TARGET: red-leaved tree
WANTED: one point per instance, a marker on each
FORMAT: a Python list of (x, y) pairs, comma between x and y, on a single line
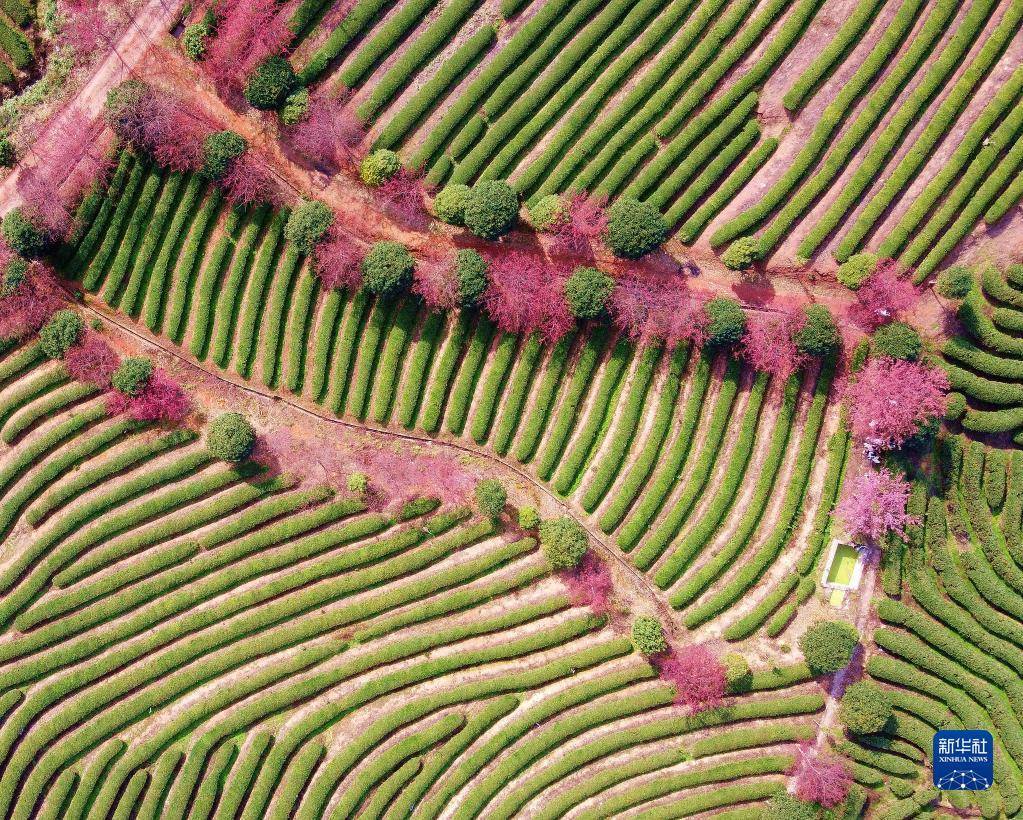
[(819, 778), (31, 304), (583, 224), (87, 26), (699, 678), (874, 504), (248, 31), (526, 295), (889, 399), (248, 181), (92, 360), (330, 134), (652, 310), (437, 283), (769, 343), (403, 195), (338, 260), (885, 295), (161, 400), (589, 584)]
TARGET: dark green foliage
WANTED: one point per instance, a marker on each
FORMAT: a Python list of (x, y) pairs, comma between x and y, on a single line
[(491, 209), (727, 322), (897, 340), (8, 154), (866, 708), (956, 407), (307, 224), (219, 150), (13, 277), (738, 675), (270, 83), (379, 167), (471, 270), (22, 234), (132, 375), (648, 636), (59, 334), (827, 646), (819, 334), (742, 253), (954, 282), (231, 437), (387, 268), (563, 542), (587, 291), (295, 107), (449, 204), (634, 228), (491, 496), (194, 40)]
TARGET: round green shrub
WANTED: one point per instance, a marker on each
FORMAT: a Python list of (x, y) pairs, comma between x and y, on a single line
[(955, 282), (194, 40), (738, 675), (60, 333), (491, 209), (898, 340), (828, 646), (231, 437), (563, 542), (856, 270), (727, 322), (358, 483), (742, 253), (220, 149), (819, 334), (14, 276), (529, 518), (547, 213), (132, 375), (491, 496), (449, 204), (587, 291), (387, 268), (307, 224), (295, 107), (648, 636), (866, 708), (22, 234), (634, 228), (270, 83), (8, 154), (955, 408), (471, 269), (379, 167)]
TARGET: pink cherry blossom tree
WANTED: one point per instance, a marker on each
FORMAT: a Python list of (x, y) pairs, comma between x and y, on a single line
[(883, 297), (583, 224), (652, 310), (889, 399), (248, 181), (437, 283), (526, 295), (338, 260), (589, 584), (248, 31), (92, 360), (769, 343), (699, 677), (874, 504), (161, 400), (819, 778), (403, 195), (87, 26), (330, 134), (28, 307)]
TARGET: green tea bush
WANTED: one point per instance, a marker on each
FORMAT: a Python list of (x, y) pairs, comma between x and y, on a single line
[(738, 675), (648, 636), (727, 322), (296, 106), (897, 340), (491, 209), (387, 268), (866, 708), (378, 167), (23, 235), (827, 646), (449, 204), (8, 153), (855, 271), (563, 542), (307, 224), (471, 270), (270, 83), (491, 496), (819, 334), (587, 291), (219, 150), (742, 253), (955, 282), (231, 437), (634, 228), (194, 40), (529, 517), (59, 334), (132, 375), (547, 212)]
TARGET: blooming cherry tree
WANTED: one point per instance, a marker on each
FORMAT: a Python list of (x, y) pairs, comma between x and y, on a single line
[(698, 676), (437, 283), (874, 504), (525, 295), (338, 260), (883, 297), (92, 360), (584, 222), (330, 133), (589, 584), (248, 31), (652, 310), (28, 307), (769, 343), (161, 400), (819, 778)]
